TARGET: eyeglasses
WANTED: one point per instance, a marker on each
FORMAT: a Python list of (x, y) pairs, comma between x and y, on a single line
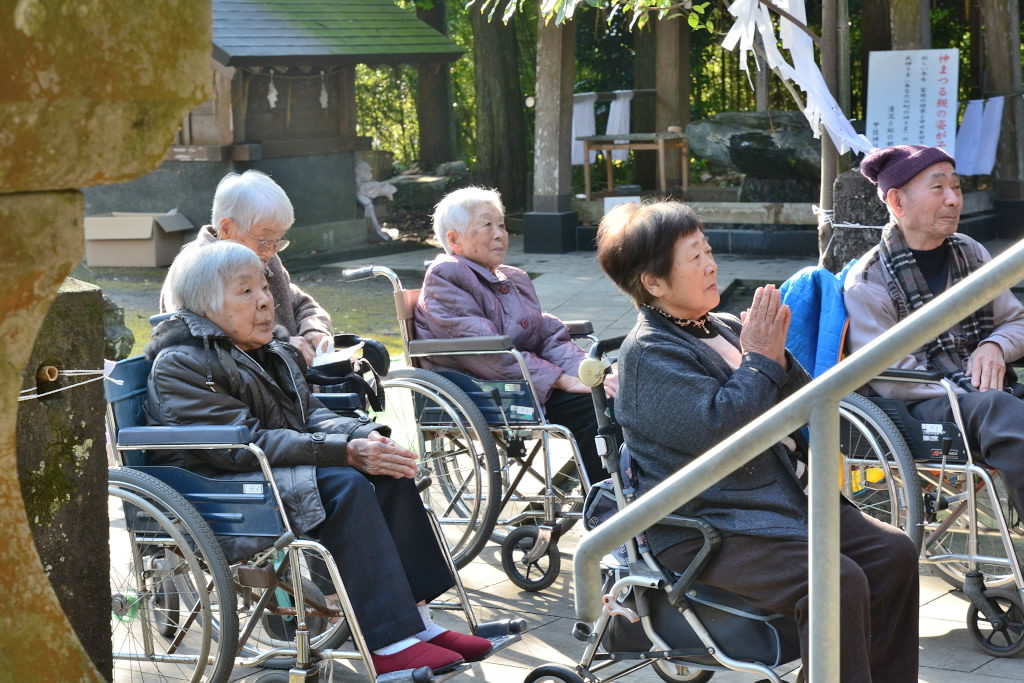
[(274, 245)]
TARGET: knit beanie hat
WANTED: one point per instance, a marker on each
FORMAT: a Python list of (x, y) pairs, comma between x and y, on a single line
[(891, 167)]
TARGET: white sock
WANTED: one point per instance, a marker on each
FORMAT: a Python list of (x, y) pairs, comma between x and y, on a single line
[(431, 630), (395, 648)]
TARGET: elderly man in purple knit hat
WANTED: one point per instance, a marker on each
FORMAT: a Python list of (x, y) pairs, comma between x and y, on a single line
[(919, 256)]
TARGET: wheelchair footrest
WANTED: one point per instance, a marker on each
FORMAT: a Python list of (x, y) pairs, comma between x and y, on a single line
[(420, 675), (502, 627)]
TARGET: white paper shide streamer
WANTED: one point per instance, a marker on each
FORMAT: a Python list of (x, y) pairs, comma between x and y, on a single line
[(821, 110)]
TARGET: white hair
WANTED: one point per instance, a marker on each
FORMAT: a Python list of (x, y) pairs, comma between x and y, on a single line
[(455, 210), (197, 278), (251, 198)]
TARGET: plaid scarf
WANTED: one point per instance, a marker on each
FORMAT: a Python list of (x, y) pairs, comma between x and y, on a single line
[(948, 352)]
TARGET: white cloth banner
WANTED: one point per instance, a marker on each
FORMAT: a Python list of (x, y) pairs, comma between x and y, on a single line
[(618, 121), (821, 109), (968, 138), (582, 124), (989, 142)]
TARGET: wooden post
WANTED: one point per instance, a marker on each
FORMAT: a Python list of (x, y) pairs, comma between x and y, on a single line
[(673, 85), (1003, 75), (829, 154)]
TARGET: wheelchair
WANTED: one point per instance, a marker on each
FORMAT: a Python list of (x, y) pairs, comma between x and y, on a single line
[(653, 617), (206, 575), (487, 448), (923, 478)]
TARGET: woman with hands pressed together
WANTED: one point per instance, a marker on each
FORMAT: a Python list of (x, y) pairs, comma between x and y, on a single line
[(342, 480), (690, 378)]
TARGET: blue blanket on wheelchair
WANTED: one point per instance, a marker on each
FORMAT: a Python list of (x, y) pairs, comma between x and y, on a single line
[(816, 333)]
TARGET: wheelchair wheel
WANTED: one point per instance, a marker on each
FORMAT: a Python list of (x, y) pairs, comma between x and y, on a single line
[(1004, 638), (273, 609), (169, 583), (553, 672), (535, 575), (950, 528), (430, 415), (878, 472), (677, 672)]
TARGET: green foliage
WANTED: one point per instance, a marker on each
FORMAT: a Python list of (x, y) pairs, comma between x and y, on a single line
[(386, 109)]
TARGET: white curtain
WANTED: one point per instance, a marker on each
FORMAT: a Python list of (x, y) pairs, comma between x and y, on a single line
[(968, 138), (582, 124), (618, 120)]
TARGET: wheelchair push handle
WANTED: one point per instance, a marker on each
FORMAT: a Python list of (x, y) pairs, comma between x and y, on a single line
[(367, 272)]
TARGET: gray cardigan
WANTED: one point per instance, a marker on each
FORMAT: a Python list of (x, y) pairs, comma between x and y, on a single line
[(678, 398)]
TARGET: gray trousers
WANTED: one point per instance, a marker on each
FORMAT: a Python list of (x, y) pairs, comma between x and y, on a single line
[(994, 421), (878, 600)]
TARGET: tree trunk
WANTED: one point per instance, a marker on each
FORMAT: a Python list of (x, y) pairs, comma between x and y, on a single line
[(434, 98), (500, 118)]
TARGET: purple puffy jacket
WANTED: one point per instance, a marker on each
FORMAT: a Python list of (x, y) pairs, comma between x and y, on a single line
[(461, 298)]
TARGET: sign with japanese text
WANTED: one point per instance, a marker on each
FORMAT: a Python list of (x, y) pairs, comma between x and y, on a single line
[(912, 98)]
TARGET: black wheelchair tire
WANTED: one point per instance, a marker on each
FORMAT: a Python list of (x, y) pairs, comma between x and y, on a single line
[(483, 510), (204, 545), (515, 546), (900, 503), (553, 672)]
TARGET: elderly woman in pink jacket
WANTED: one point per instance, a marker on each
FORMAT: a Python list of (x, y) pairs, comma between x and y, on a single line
[(469, 292)]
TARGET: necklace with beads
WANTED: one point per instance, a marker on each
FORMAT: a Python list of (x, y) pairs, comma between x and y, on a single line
[(699, 327)]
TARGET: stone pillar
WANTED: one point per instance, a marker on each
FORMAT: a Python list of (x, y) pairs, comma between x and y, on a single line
[(62, 472), (97, 95), (551, 227)]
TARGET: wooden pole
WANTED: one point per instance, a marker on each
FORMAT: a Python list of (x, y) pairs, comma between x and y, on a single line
[(829, 154)]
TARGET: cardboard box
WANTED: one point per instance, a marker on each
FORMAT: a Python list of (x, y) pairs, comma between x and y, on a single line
[(134, 239)]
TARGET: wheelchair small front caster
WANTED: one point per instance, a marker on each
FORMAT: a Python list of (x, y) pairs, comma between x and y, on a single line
[(529, 573), (1002, 636), (553, 672)]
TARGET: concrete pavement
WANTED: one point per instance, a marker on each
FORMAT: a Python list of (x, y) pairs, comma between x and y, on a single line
[(573, 287)]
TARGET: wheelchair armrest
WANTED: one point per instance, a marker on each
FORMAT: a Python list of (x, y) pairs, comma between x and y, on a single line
[(337, 402), (428, 347), (189, 435), (712, 539), (911, 375), (579, 328)]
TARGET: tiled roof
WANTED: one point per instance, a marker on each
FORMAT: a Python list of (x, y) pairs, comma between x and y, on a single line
[(291, 32)]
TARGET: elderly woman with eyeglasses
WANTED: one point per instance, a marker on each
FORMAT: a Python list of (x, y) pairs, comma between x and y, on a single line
[(253, 210), (341, 479)]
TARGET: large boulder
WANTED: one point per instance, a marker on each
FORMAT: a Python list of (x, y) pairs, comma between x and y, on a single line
[(766, 144)]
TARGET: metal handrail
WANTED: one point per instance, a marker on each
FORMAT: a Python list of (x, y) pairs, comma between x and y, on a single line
[(816, 404)]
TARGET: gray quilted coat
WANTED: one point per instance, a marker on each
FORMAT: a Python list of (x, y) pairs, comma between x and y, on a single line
[(200, 377)]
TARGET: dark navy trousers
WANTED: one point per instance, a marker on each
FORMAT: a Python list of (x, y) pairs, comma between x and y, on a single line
[(387, 555)]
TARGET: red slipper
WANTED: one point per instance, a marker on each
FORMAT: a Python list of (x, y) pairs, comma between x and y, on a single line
[(472, 648), (438, 659)]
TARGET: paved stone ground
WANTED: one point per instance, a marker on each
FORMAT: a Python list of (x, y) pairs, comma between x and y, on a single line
[(571, 286)]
